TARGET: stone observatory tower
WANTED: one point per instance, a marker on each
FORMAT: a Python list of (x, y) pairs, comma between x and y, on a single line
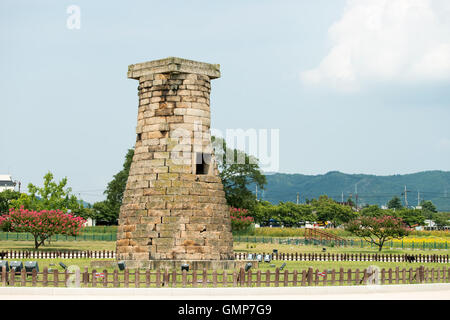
[(174, 209)]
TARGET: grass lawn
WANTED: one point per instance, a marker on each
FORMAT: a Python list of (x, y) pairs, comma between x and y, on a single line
[(59, 245), (286, 248), (238, 247)]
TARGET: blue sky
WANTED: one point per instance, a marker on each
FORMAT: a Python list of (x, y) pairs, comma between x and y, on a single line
[(355, 86)]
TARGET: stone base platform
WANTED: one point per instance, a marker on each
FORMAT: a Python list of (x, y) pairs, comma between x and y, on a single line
[(176, 264)]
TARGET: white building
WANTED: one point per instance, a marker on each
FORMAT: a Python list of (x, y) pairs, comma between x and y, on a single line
[(6, 182)]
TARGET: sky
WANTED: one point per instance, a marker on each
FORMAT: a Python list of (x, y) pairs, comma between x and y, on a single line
[(357, 86)]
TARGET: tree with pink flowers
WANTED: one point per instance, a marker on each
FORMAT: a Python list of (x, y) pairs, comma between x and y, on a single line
[(240, 220), (41, 224), (378, 230)]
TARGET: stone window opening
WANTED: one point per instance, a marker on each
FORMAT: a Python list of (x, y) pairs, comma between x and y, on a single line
[(139, 137), (202, 163)]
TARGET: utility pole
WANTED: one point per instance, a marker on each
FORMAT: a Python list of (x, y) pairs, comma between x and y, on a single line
[(342, 197), (256, 186), (298, 196), (418, 198), (356, 195), (405, 193)]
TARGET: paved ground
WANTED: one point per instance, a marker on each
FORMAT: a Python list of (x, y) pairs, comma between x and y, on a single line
[(389, 292)]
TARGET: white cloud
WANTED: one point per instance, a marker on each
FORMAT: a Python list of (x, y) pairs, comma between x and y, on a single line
[(386, 40)]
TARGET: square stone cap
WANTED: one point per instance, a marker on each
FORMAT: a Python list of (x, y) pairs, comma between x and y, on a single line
[(175, 65)]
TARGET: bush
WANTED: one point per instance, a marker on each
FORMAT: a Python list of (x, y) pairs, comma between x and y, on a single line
[(240, 220)]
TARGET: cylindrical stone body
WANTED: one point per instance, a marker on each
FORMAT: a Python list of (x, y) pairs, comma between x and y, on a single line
[(174, 206)]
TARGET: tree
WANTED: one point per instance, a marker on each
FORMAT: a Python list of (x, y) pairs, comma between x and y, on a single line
[(428, 206), (442, 219), (41, 224), (326, 209), (238, 175), (116, 187), (412, 217), (107, 211), (5, 200), (378, 230), (52, 196), (395, 203)]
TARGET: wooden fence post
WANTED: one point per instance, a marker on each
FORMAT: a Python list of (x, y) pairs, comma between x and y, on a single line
[(105, 278), (194, 278), (349, 277), (295, 278), (45, 277), (4, 276), (184, 278), (34, 278), (158, 278), (421, 274), (214, 280), (126, 278), (94, 278), (277, 276), (241, 277), (286, 278), (116, 282), (204, 278), (310, 276), (225, 278), (86, 277), (166, 278), (136, 278), (55, 278), (23, 277), (147, 278), (174, 278)]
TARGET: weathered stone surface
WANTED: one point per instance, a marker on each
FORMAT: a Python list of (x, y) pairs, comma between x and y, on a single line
[(174, 208)]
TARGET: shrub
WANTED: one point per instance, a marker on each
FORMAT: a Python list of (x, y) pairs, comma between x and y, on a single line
[(240, 220)]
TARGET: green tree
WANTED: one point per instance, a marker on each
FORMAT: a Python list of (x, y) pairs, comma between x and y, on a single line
[(5, 200), (237, 174), (51, 196), (395, 203), (412, 217), (107, 211), (104, 213), (326, 209), (427, 205), (374, 211), (442, 219)]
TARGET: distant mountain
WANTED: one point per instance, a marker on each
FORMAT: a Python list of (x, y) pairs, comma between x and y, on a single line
[(372, 189)]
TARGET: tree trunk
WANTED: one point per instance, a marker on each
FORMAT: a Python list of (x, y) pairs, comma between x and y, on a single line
[(36, 244)]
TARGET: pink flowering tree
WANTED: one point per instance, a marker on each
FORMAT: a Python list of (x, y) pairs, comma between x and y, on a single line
[(378, 230), (41, 224), (240, 220)]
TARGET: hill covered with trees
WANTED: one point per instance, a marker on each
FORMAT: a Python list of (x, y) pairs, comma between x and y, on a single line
[(371, 189)]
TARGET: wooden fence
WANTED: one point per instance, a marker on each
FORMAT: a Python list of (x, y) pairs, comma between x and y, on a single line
[(205, 278), (419, 258)]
